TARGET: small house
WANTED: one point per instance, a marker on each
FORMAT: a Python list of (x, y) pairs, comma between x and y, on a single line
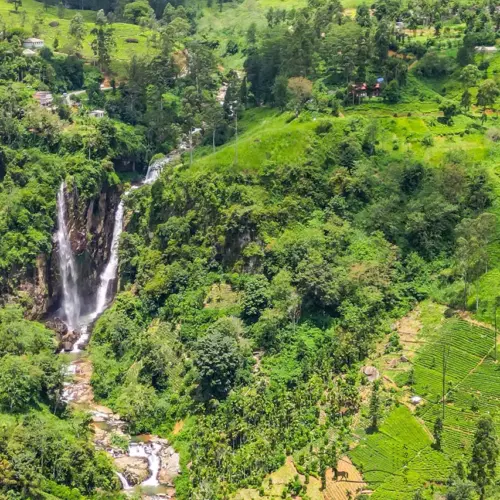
[(400, 26), (29, 53), (486, 50), (97, 113), (361, 90), (33, 43), (44, 98)]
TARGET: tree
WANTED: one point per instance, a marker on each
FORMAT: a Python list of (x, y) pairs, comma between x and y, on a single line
[(375, 407), (474, 236), (300, 91), (449, 109), (136, 404), (461, 490), (17, 4), (470, 75), (252, 35), (391, 92), (487, 94), (438, 433), (218, 359), (213, 116), (61, 10), (482, 465), (137, 11), (382, 41), (466, 100), (465, 55), (284, 296), (363, 16), (281, 93), (256, 297), (103, 42), (19, 383), (77, 30)]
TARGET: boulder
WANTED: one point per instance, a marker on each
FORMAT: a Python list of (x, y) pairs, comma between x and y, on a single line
[(371, 373), (135, 469), (68, 340), (170, 465), (58, 325)]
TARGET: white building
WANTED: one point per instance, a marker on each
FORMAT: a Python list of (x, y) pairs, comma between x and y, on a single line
[(29, 53), (97, 113), (486, 50), (44, 98), (33, 43)]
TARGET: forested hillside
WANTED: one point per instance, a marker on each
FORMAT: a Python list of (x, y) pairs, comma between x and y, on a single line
[(248, 249)]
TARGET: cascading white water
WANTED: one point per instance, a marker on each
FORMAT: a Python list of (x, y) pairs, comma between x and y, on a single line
[(154, 170), (124, 481), (151, 451), (107, 277), (70, 304), (109, 273)]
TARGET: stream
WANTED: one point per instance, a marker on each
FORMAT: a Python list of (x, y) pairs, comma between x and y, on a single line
[(149, 463)]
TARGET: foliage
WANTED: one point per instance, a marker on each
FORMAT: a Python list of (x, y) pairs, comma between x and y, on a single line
[(482, 467)]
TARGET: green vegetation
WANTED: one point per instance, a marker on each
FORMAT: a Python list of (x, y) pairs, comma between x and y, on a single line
[(52, 24), (399, 458), (336, 172), (55, 447)]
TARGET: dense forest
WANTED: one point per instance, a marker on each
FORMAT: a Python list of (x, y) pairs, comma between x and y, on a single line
[(261, 233)]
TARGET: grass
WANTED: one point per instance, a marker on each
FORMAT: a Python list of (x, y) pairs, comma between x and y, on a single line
[(398, 459), (233, 23), (265, 136), (31, 9)]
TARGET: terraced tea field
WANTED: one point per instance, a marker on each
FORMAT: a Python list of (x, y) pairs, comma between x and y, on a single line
[(399, 459)]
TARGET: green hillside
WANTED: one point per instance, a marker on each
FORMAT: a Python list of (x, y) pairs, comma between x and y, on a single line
[(278, 225)]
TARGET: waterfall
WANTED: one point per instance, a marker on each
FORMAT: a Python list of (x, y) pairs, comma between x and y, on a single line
[(71, 299), (124, 481), (107, 277), (155, 169), (150, 451), (71, 304), (109, 273)]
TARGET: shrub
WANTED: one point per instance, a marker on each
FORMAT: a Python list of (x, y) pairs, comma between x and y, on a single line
[(434, 64), (493, 134), (54, 24), (428, 140)]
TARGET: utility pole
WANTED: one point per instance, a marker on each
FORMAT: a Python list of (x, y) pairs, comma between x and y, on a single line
[(445, 361), (236, 143), (495, 323), (190, 146)]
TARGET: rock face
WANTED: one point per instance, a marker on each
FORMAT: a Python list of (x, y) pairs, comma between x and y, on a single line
[(170, 466), (90, 227), (90, 224), (135, 469)]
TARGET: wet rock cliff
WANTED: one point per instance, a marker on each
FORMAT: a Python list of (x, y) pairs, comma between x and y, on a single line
[(90, 223)]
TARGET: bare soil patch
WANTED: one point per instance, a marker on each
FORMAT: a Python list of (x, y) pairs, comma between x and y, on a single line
[(349, 483)]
